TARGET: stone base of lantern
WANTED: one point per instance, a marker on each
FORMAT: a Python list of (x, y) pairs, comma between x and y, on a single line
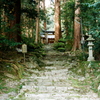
[(90, 59)]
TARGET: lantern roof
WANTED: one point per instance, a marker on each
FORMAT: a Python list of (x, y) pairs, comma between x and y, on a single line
[(90, 38)]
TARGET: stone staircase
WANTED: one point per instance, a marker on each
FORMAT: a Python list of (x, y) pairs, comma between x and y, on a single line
[(53, 83)]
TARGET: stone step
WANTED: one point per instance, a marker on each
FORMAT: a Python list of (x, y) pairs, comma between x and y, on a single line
[(51, 72), (48, 83), (54, 93), (56, 72), (47, 89), (58, 96), (62, 70), (38, 99), (51, 68), (47, 79)]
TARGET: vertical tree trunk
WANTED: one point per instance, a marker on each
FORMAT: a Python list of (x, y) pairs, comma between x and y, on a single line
[(0, 20), (33, 31), (77, 28), (18, 16), (57, 21), (37, 30), (15, 23), (37, 24), (45, 15), (45, 24)]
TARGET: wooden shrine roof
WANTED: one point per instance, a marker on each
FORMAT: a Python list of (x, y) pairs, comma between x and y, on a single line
[(50, 31)]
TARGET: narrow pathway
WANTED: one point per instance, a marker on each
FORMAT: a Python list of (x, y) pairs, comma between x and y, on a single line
[(55, 82)]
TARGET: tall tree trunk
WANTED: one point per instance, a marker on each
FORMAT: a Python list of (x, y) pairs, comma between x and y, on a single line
[(0, 20), (45, 15), (37, 30), (57, 21), (18, 16), (15, 23), (45, 24), (77, 28), (37, 24)]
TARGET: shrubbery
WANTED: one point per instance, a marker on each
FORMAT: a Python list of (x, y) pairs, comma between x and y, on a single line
[(60, 45), (6, 44), (63, 45), (35, 48)]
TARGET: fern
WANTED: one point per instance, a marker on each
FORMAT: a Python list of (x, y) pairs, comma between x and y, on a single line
[(6, 43)]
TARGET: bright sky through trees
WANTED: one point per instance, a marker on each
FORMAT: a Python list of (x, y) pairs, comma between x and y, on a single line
[(47, 3)]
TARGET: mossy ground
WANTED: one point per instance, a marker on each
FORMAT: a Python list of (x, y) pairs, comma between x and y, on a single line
[(88, 71)]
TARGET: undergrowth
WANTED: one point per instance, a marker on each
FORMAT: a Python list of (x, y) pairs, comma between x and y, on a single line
[(60, 45), (91, 72)]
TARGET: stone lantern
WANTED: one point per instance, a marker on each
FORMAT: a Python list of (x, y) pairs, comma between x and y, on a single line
[(90, 47)]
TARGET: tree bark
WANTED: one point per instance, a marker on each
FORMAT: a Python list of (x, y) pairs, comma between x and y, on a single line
[(45, 24), (18, 16), (77, 28), (45, 15), (37, 30), (15, 23), (0, 19), (57, 21), (37, 25)]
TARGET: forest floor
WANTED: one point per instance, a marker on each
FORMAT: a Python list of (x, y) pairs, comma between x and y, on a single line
[(54, 82)]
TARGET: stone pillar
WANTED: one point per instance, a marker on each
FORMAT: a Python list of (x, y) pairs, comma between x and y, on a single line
[(90, 47), (46, 37)]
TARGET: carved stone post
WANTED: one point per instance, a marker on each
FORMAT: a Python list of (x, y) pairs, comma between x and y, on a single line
[(90, 47)]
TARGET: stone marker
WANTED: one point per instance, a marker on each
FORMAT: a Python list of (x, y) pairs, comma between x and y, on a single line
[(24, 50)]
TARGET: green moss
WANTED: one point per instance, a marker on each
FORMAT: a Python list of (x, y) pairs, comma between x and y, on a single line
[(61, 49), (62, 40), (92, 79), (60, 45)]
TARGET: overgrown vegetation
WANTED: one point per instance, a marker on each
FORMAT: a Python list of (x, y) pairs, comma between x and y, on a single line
[(89, 18), (12, 23), (12, 67), (6, 44), (91, 73), (11, 62), (60, 45), (63, 44)]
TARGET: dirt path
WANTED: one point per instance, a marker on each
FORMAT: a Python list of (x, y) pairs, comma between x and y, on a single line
[(55, 82)]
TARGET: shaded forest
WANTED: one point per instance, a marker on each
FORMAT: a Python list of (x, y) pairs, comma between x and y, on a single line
[(23, 22), (20, 20)]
